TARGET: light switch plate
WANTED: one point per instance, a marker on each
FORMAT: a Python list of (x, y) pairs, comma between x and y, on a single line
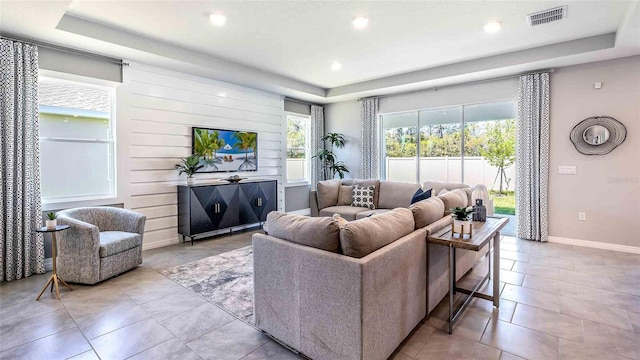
[(567, 170)]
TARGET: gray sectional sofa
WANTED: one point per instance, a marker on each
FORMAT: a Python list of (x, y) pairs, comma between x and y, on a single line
[(326, 200), (353, 290)]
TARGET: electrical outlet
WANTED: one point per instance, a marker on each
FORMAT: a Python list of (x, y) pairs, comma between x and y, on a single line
[(582, 216)]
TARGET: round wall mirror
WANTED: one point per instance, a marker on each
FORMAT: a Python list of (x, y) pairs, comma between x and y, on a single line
[(598, 135), (595, 135)]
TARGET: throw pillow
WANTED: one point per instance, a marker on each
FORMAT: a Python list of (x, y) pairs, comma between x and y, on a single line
[(341, 221), (318, 232), (362, 237), (443, 191), (345, 195), (363, 196), (421, 195), (328, 193)]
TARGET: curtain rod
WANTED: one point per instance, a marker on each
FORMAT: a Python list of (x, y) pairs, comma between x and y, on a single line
[(67, 50), (435, 88)]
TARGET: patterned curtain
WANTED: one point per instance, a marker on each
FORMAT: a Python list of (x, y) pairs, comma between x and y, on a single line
[(532, 157), (21, 250), (370, 139), (317, 132)]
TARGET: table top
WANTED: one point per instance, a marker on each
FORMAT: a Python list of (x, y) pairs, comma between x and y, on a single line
[(45, 229), (483, 231)]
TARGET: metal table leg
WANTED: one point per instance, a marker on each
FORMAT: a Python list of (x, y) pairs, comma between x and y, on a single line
[(452, 284), (496, 269)]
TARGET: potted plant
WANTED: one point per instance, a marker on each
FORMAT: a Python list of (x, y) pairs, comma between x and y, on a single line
[(327, 157), (461, 221), (51, 221), (189, 166)]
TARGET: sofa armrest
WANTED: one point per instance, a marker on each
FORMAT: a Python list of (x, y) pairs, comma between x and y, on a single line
[(438, 224), (394, 294), (81, 239), (313, 203), (304, 296), (331, 306)]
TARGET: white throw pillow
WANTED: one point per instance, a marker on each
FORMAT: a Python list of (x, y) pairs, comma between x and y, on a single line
[(444, 190)]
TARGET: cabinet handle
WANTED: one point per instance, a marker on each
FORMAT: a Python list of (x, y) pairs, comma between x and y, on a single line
[(259, 201), (218, 205)]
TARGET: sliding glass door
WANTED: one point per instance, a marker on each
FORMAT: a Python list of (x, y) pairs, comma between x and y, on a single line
[(472, 144)]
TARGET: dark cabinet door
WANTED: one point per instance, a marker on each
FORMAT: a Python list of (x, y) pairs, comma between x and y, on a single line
[(257, 200), (214, 207)]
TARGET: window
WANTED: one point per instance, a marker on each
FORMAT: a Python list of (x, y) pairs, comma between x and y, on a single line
[(298, 154), (76, 141), (472, 144)]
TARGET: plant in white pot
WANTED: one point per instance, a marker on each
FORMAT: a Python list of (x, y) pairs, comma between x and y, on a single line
[(461, 221), (51, 221), (189, 166)]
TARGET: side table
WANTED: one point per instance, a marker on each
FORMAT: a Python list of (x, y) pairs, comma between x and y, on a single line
[(54, 279), (483, 232)]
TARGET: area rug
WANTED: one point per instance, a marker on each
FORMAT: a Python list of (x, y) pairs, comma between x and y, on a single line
[(225, 280)]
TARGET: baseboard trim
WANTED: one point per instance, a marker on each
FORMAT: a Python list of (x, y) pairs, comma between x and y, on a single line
[(161, 243), (305, 212), (595, 244)]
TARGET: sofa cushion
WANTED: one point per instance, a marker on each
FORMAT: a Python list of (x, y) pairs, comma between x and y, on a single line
[(341, 221), (368, 213), (394, 194), (427, 211), (363, 196), (328, 193), (366, 182), (317, 232), (114, 242), (437, 186), (345, 195), (361, 237), (347, 212), (469, 192), (452, 199)]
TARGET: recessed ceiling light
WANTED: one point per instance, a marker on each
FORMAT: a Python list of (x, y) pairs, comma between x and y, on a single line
[(217, 19), (493, 27), (360, 22), (335, 66)]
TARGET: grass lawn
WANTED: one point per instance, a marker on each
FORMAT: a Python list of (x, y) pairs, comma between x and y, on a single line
[(504, 204)]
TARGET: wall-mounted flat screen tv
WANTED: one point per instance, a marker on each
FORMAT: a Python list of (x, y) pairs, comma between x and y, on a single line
[(225, 150)]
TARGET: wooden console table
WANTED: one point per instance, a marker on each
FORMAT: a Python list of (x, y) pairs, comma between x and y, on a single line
[(483, 232)]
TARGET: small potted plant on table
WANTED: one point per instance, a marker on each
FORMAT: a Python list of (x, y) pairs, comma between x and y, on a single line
[(461, 221), (51, 221), (189, 166)]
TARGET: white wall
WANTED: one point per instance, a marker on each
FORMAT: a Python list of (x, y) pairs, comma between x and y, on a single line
[(155, 112), (606, 187)]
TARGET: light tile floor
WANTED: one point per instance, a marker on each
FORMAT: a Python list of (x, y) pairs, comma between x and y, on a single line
[(557, 301)]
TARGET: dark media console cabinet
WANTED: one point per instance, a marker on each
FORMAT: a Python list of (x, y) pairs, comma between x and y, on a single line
[(203, 208)]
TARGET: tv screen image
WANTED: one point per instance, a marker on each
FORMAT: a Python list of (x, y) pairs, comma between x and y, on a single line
[(225, 150)]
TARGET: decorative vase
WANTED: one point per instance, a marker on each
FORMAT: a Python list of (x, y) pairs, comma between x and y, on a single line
[(191, 181), (462, 226), (479, 211), (51, 224), (481, 192)]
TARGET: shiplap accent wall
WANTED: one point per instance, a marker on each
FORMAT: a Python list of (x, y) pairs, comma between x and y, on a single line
[(157, 110)]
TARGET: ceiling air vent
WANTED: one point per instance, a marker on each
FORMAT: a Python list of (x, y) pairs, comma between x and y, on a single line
[(547, 16)]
